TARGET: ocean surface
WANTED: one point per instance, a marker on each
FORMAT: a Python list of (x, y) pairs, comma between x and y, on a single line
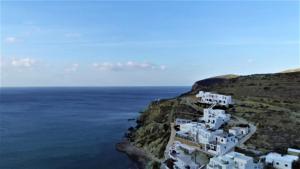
[(70, 127)]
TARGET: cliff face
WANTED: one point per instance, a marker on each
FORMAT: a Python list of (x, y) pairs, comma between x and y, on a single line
[(271, 101)]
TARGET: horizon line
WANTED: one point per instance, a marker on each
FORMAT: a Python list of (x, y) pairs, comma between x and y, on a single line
[(94, 86)]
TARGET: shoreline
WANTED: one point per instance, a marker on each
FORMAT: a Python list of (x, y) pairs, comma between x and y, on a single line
[(137, 155)]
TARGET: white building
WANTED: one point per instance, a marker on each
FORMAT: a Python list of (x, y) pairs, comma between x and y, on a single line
[(203, 135), (223, 143), (215, 142), (281, 161), (198, 132), (211, 98), (239, 131), (215, 118), (181, 154), (188, 127), (232, 160)]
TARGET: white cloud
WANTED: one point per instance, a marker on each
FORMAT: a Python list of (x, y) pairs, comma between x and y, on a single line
[(11, 39), (130, 65), (23, 62), (73, 68)]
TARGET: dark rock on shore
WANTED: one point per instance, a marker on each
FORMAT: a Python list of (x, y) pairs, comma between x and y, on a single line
[(135, 154)]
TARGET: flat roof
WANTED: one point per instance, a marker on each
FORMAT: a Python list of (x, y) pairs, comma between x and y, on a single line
[(287, 158), (293, 150)]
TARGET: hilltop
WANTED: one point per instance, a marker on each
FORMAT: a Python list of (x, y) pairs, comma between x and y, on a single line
[(271, 101), (291, 70)]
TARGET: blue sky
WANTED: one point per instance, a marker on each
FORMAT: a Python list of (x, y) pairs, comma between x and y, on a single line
[(144, 43)]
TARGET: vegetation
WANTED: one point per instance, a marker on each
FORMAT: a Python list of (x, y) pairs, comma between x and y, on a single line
[(271, 101)]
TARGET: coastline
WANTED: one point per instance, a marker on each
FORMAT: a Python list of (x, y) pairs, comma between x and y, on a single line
[(137, 155)]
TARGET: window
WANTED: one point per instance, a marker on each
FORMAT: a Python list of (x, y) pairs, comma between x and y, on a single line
[(277, 163), (286, 165)]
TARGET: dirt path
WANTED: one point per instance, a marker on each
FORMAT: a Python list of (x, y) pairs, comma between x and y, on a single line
[(171, 139)]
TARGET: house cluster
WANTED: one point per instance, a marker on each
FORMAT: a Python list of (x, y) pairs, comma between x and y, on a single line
[(233, 160), (207, 131), (207, 135), (214, 142)]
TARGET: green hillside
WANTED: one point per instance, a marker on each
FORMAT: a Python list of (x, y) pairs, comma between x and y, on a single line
[(271, 101)]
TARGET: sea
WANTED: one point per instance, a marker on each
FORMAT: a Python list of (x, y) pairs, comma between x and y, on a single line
[(71, 127)]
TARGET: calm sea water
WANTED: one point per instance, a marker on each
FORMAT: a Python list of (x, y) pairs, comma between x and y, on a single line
[(70, 128)]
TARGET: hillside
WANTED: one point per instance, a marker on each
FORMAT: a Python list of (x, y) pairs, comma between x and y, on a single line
[(291, 70), (271, 101)]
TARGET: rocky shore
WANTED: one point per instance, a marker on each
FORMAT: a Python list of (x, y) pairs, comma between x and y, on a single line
[(137, 155)]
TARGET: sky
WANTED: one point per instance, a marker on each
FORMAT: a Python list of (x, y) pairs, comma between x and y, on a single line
[(127, 43)]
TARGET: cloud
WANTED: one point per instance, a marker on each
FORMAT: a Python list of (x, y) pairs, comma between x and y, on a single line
[(11, 39), (23, 62), (130, 65), (73, 68)]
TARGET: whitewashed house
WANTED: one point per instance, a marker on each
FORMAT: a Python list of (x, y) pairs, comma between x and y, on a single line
[(239, 131), (279, 161), (199, 132), (181, 154), (204, 136), (214, 142), (187, 127), (215, 118), (223, 143), (232, 160), (211, 98)]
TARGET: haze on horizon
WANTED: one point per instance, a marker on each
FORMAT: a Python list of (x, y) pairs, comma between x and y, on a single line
[(144, 43)]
